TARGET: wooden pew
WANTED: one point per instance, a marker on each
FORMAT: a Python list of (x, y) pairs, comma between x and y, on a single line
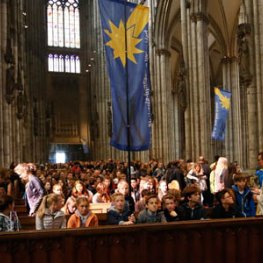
[(198, 241), (100, 208), (28, 222)]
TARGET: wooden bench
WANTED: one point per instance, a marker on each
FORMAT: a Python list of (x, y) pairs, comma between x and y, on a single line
[(199, 241), (21, 210), (28, 222), (100, 208)]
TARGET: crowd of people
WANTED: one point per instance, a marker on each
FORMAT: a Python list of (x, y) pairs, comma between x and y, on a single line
[(59, 195)]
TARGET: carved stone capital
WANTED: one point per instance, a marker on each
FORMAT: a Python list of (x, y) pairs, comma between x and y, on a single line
[(243, 29), (9, 57), (163, 51), (199, 16), (20, 105), (245, 79), (228, 59), (10, 84)]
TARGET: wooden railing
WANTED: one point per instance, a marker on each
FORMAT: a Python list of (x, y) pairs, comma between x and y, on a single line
[(217, 241)]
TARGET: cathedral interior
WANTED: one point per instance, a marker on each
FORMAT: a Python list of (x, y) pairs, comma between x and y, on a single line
[(55, 92)]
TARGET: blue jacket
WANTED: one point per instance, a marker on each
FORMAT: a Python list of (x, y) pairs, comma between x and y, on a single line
[(114, 217), (245, 202), (146, 216), (187, 213), (259, 174)]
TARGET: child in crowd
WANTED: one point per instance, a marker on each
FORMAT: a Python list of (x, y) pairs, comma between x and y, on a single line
[(57, 189), (101, 195), (123, 188), (48, 188), (226, 207), (170, 213), (5, 181), (140, 205), (244, 196), (2, 191), (196, 176), (8, 217), (191, 209), (108, 184), (119, 213), (49, 214), (162, 189), (79, 189), (150, 214), (135, 190), (34, 190), (82, 217)]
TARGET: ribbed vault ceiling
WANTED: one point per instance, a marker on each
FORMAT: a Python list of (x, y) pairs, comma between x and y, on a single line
[(222, 28)]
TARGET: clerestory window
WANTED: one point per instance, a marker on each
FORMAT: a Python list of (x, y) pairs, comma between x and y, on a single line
[(63, 36)]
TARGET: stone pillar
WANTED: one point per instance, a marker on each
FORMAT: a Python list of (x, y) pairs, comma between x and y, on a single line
[(248, 91), (229, 142), (3, 29), (185, 21), (8, 80), (199, 121), (238, 123), (203, 86), (258, 7), (257, 23), (180, 105), (36, 82), (164, 87), (193, 93), (233, 139)]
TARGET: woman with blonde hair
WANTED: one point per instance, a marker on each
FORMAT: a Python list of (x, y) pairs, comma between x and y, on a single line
[(49, 214), (34, 190), (218, 175)]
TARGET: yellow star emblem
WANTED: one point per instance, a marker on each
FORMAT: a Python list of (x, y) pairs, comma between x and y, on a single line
[(134, 26)]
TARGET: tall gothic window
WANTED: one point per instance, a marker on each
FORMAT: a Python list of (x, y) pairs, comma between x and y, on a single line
[(63, 36)]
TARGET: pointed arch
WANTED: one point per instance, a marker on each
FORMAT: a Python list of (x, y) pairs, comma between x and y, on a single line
[(161, 23)]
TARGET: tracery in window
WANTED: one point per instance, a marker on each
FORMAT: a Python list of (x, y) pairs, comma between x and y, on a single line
[(63, 63), (63, 23), (63, 34)]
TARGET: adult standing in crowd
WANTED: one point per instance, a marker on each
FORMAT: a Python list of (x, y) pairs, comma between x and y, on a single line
[(258, 192), (259, 171), (34, 190)]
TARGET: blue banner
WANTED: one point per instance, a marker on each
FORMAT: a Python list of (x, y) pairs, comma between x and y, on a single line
[(126, 40), (222, 106)]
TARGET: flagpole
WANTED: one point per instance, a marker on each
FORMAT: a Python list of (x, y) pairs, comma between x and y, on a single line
[(127, 102)]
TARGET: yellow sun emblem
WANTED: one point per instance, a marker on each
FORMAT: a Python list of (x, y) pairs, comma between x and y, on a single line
[(134, 26), (225, 101)]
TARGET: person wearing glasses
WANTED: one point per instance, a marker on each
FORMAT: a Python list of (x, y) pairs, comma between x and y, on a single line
[(226, 207)]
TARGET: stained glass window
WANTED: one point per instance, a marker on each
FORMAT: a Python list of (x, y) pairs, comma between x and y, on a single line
[(63, 63), (63, 24)]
